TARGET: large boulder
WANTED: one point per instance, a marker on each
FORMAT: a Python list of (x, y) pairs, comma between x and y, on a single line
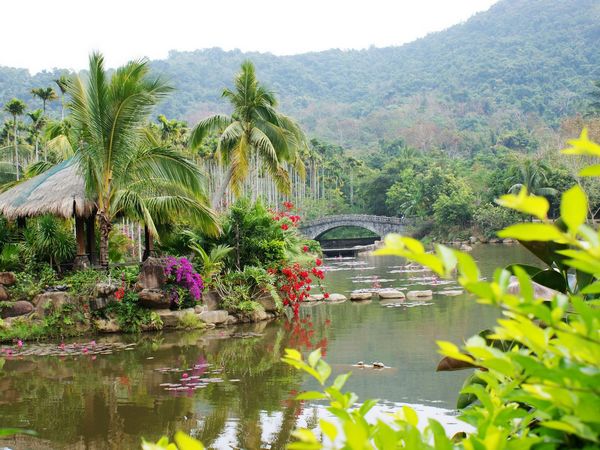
[(416, 295), (172, 319), (107, 325), (3, 294), (539, 291), (19, 308), (361, 295), (268, 302), (390, 293), (231, 320), (152, 274), (49, 302), (98, 303), (258, 315), (336, 298), (211, 300), (169, 319), (154, 299), (7, 278), (106, 289), (314, 298), (214, 317)]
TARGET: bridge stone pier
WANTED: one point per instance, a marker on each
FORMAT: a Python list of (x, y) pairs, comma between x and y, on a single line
[(380, 225)]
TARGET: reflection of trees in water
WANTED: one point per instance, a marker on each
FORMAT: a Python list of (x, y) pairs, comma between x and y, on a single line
[(264, 384), (114, 400)]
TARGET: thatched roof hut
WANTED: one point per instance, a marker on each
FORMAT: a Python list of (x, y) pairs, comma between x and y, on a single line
[(59, 191)]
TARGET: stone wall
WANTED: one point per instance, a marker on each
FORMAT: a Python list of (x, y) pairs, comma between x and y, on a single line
[(152, 296), (16, 309)]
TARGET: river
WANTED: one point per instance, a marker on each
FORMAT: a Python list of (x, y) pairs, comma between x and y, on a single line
[(228, 387)]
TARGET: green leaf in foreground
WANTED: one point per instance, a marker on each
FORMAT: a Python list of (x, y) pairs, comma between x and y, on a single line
[(532, 232)]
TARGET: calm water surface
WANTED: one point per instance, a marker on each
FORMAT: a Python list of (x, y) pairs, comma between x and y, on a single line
[(236, 393)]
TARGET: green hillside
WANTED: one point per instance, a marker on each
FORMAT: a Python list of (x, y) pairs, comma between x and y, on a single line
[(518, 61), (533, 56)]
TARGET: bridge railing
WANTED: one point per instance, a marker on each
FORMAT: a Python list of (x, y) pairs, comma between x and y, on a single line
[(355, 218)]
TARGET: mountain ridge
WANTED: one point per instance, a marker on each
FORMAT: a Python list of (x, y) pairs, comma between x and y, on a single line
[(530, 58)]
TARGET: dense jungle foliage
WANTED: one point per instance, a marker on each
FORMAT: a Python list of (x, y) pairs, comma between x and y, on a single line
[(514, 64), (434, 130)]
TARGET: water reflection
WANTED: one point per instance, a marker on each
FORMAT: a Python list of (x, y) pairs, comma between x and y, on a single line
[(113, 400)]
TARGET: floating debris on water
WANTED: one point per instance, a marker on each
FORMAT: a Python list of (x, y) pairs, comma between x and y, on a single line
[(411, 270), (370, 280), (406, 304), (373, 365), (451, 292), (247, 335), (63, 350)]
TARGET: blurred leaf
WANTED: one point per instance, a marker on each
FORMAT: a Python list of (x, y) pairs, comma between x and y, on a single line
[(531, 232), (574, 208), (551, 279)]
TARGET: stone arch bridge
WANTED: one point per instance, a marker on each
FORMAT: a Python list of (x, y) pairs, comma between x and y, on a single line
[(380, 225)]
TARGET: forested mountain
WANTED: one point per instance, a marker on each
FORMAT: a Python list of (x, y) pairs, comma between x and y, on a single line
[(521, 64), (535, 56)]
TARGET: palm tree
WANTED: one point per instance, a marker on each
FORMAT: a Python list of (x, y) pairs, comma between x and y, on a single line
[(45, 95), (60, 138), (255, 129), (62, 83), (532, 174), (212, 262), (123, 172), (15, 108), (37, 123), (172, 131)]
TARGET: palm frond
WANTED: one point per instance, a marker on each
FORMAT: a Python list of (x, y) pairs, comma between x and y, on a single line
[(240, 163), (162, 163), (207, 126), (164, 208), (37, 168)]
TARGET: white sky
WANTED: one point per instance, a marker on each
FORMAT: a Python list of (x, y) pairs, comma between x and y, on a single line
[(42, 34)]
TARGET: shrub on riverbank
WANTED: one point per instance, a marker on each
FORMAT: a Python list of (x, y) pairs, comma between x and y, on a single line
[(257, 244), (246, 267)]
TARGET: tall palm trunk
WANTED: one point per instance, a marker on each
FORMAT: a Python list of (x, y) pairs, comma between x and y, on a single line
[(148, 244), (220, 192), (105, 227), (16, 146)]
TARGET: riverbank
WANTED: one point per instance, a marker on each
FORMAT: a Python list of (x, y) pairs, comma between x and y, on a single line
[(92, 304)]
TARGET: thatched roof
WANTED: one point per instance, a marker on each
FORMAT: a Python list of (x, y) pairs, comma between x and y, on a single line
[(59, 191)]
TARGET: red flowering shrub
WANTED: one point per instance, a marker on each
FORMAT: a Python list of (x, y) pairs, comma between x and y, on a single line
[(120, 293), (294, 283), (286, 216), (294, 280)]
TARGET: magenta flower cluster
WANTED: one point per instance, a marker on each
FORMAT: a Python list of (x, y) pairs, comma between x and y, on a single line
[(185, 275)]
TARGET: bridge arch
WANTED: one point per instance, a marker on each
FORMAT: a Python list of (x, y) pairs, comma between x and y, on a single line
[(380, 225), (372, 229)]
